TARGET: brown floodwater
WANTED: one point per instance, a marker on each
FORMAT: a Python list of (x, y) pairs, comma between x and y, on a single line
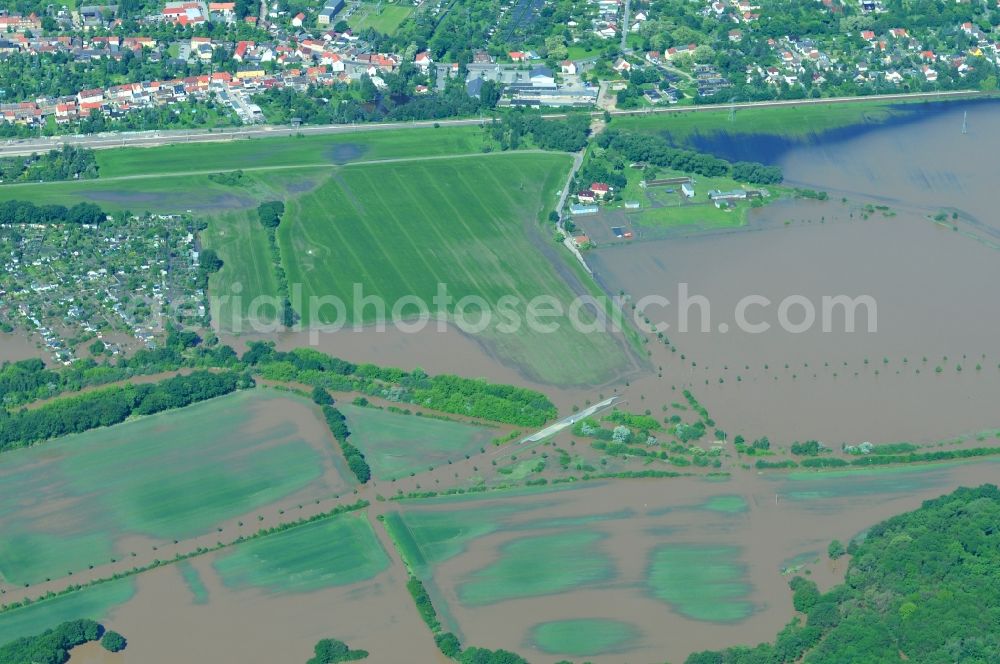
[(19, 346), (450, 352), (787, 518), (931, 367), (164, 624)]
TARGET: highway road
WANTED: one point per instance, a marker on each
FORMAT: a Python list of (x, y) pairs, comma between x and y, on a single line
[(16, 147)]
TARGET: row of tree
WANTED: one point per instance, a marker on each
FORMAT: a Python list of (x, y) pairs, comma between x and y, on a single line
[(445, 393), (29, 380), (657, 151), (113, 405), (338, 427), (26, 212)]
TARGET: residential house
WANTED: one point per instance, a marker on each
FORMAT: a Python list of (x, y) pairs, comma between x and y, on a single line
[(600, 189)]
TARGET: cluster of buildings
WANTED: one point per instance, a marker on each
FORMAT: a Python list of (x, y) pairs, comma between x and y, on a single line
[(524, 83), (113, 282), (332, 58), (20, 24)]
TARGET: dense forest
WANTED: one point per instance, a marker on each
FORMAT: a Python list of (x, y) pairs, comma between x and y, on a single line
[(921, 587), (65, 164)]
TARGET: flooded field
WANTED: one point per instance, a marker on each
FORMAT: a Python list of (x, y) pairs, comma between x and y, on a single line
[(450, 352), (14, 347), (88, 498), (655, 569), (331, 579), (925, 352)]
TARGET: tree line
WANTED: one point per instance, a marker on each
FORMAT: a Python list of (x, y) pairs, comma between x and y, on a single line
[(269, 213), (338, 427), (113, 405), (657, 151), (444, 393), (26, 212), (30, 380)]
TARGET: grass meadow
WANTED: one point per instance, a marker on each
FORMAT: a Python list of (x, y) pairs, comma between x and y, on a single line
[(168, 476), (402, 229), (396, 445), (289, 151), (791, 121), (248, 269), (333, 552), (386, 21)]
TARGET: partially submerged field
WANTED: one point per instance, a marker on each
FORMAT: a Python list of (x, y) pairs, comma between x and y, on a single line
[(173, 178), (400, 230), (645, 570), (86, 498), (266, 600), (397, 445), (790, 121)]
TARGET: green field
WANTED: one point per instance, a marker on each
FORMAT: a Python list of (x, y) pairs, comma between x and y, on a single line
[(93, 602), (701, 582), (585, 637), (173, 475), (290, 151), (396, 445), (539, 565), (386, 21), (402, 229), (247, 272), (793, 121), (820, 491), (332, 552)]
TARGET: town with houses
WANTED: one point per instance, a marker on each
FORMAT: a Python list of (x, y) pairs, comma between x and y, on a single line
[(114, 282), (316, 49)]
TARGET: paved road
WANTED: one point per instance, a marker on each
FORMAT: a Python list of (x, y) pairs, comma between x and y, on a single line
[(569, 421), (154, 138)]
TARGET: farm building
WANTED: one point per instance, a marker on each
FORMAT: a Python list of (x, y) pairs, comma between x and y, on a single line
[(688, 189), (734, 195)]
